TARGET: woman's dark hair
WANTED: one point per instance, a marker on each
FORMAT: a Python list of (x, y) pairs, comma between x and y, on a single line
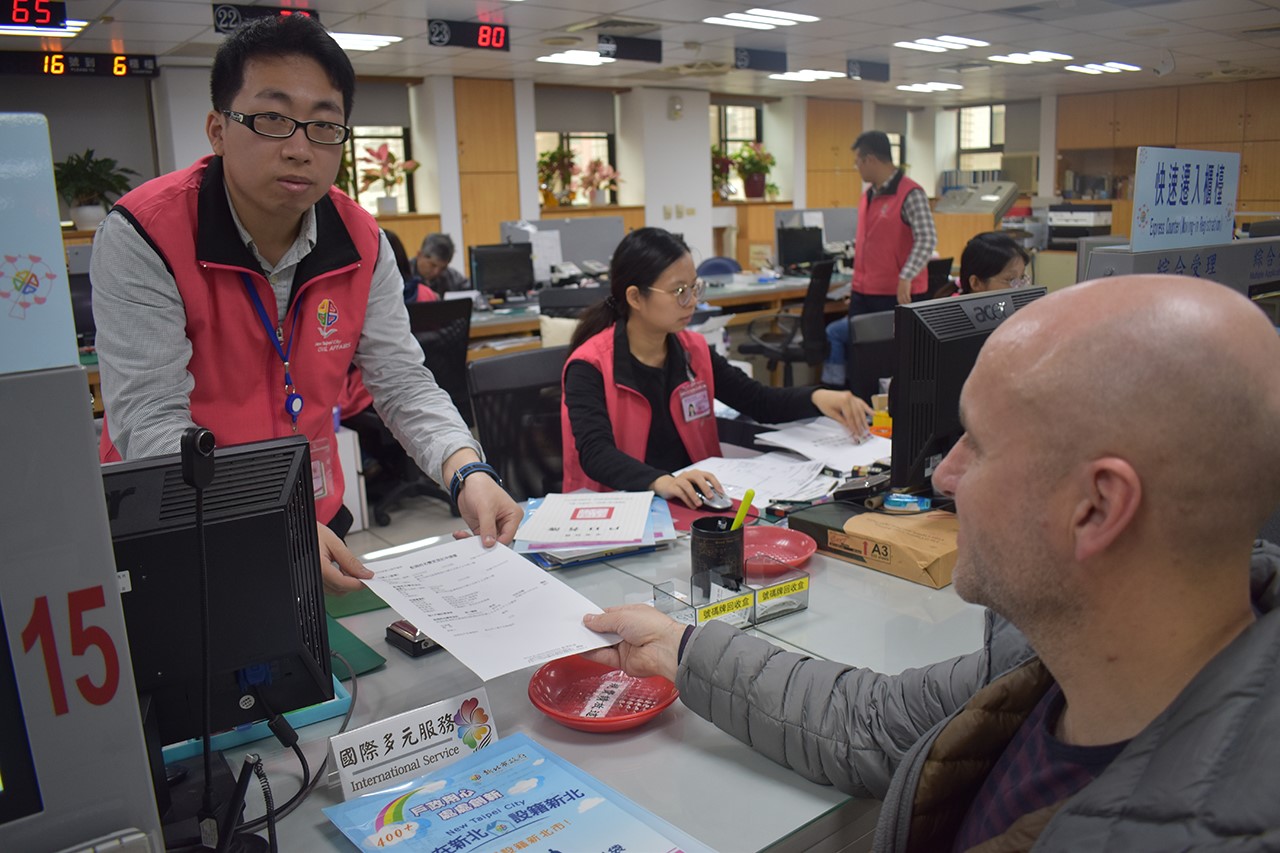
[(438, 246), (402, 257), (986, 255), (278, 36), (640, 260)]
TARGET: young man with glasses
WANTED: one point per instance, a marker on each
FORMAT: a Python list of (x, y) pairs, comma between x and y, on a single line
[(236, 293), (638, 386)]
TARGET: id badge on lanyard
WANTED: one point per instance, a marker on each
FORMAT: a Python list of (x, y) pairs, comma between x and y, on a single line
[(695, 401)]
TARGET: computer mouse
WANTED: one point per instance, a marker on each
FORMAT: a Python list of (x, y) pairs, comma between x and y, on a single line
[(717, 501)]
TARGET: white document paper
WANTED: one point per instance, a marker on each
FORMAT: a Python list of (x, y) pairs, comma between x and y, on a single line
[(495, 611), (587, 518), (773, 476), (547, 252), (828, 442), (815, 219)]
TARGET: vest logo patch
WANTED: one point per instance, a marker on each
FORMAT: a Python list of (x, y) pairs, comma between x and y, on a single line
[(327, 316)]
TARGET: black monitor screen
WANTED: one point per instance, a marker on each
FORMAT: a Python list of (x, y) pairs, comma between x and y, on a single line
[(82, 307), (502, 268), (19, 790), (268, 641), (937, 344), (797, 246)]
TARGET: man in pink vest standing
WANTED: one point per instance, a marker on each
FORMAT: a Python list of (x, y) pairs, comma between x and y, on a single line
[(236, 293), (895, 239)]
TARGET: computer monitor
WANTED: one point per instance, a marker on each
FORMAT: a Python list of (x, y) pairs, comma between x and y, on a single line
[(799, 246), (503, 268), (82, 308), (268, 640), (937, 344)]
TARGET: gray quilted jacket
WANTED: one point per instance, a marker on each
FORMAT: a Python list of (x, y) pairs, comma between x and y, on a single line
[(1204, 775)]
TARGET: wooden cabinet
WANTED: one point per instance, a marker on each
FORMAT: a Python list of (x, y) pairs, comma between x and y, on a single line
[(1259, 177), (1086, 121), (1146, 117), (1262, 111), (487, 201), (831, 126), (485, 112), (832, 188), (1211, 113)]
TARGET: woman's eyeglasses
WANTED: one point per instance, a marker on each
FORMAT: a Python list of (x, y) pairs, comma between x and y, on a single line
[(686, 294)]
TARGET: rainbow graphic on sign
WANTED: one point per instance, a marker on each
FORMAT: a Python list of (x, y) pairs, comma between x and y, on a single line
[(394, 812), (26, 280), (327, 316)]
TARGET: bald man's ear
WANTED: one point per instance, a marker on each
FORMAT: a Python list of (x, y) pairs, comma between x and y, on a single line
[(1111, 492)]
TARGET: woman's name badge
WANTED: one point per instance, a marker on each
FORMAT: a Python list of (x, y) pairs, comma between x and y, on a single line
[(695, 402)]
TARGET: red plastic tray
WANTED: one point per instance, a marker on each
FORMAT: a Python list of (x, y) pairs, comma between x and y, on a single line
[(771, 551), (566, 689)]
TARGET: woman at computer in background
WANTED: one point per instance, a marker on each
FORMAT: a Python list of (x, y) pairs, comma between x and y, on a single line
[(638, 387), (992, 261), (432, 265)]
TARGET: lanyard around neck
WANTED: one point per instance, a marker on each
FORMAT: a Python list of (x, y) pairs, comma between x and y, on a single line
[(292, 399)]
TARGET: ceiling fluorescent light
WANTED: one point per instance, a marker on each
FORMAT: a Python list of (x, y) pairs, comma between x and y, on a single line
[(363, 41), (945, 45), (786, 16), (72, 29), (1080, 69), (1104, 69), (808, 75), (725, 22), (1122, 66), (742, 16), (1053, 56), (1012, 59), (929, 87), (910, 45), (577, 57), (967, 42)]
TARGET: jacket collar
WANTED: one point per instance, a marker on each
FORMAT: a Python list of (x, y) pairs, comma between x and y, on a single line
[(888, 188), (677, 369), (218, 240)]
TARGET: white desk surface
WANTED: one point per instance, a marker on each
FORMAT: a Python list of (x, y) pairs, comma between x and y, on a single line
[(679, 766)]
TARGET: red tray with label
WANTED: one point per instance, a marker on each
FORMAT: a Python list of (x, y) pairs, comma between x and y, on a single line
[(771, 551), (592, 697)]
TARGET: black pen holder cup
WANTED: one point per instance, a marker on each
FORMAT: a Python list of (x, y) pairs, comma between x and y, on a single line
[(716, 548)]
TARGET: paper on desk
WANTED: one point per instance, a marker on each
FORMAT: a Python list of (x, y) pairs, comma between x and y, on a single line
[(493, 610), (587, 518), (773, 476), (826, 441), (658, 529), (547, 252)]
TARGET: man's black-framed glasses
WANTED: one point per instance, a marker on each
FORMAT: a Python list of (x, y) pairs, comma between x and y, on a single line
[(277, 126)]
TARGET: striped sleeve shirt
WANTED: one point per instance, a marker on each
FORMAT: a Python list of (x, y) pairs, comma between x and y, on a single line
[(916, 213)]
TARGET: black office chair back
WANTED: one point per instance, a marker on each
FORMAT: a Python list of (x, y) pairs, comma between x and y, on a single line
[(870, 354), (517, 404), (813, 316), (939, 273), (442, 329), (569, 301)]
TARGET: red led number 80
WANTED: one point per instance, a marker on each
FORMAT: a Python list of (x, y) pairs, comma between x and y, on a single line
[(491, 36), (20, 11)]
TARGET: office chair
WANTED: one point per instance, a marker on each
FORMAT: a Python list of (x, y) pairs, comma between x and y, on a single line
[(442, 330), (517, 406), (939, 272), (871, 353), (787, 338), (719, 265)]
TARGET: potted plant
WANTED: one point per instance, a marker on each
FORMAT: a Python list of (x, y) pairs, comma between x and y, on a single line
[(753, 163), (555, 175), (597, 180), (382, 166), (721, 164), (88, 184)]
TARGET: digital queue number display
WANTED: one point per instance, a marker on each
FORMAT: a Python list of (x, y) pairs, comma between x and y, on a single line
[(33, 13), (49, 63), (443, 33)]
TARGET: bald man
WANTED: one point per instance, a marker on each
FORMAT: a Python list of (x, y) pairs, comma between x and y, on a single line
[(1122, 449)]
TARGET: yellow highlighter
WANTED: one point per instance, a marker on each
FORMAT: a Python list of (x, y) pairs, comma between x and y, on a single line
[(742, 509)]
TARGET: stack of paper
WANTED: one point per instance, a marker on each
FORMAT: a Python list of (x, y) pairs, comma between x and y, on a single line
[(562, 530), (828, 442), (773, 476)]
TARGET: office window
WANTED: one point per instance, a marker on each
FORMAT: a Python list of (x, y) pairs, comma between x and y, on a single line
[(372, 136), (732, 125), (898, 148), (981, 141), (586, 146)]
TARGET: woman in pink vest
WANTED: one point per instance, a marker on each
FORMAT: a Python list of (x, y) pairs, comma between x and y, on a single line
[(638, 387)]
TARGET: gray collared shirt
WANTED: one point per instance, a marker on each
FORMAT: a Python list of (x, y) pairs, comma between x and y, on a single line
[(143, 349)]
